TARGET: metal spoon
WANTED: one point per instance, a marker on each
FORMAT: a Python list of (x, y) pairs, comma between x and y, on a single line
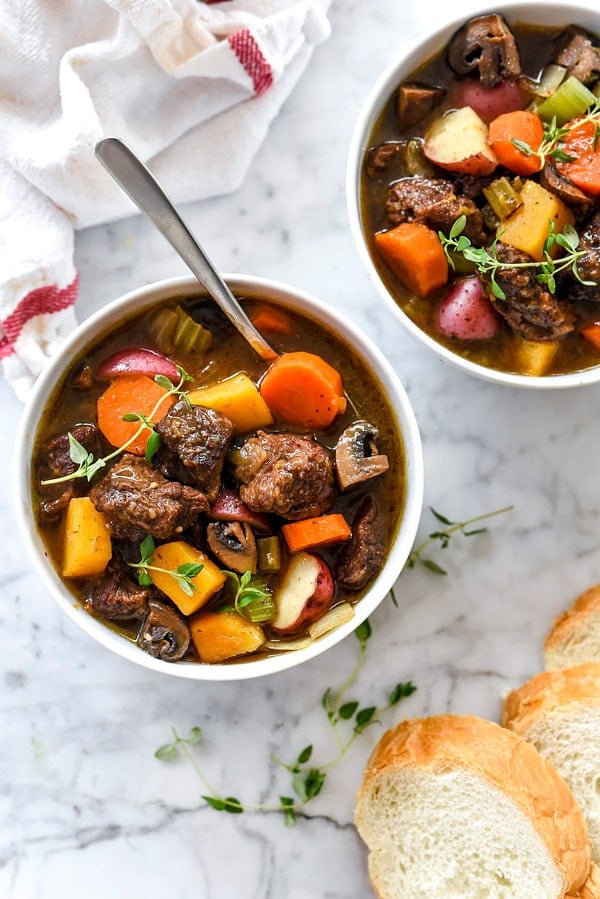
[(133, 177)]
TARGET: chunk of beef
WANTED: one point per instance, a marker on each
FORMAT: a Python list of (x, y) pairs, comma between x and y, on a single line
[(589, 265), (529, 309), (433, 202), (382, 156), (575, 51), (195, 443), (137, 500), (415, 102), (54, 461), (471, 186), (286, 474), (362, 557), (117, 597), (485, 44)]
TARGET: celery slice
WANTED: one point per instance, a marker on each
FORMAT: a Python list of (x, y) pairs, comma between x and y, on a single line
[(502, 197), (568, 102), (269, 554)]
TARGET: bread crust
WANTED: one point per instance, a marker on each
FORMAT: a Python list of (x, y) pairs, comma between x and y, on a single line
[(550, 690), (502, 758), (591, 888), (573, 618)]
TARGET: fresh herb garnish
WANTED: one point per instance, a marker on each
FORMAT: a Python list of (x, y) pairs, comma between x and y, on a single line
[(252, 597), (182, 575), (487, 262), (88, 466), (307, 778), (444, 536), (551, 145)]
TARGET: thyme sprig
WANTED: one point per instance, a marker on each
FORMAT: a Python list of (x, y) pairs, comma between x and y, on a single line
[(444, 536), (306, 779), (182, 575), (88, 466), (551, 145), (487, 262), (252, 596)]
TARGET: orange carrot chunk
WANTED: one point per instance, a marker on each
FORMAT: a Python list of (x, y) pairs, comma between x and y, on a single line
[(582, 143), (302, 389), (414, 253), (522, 126), (312, 532), (592, 333), (136, 393), (273, 321)]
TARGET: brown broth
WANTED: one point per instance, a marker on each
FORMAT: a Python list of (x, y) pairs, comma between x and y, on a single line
[(227, 355), (575, 352)]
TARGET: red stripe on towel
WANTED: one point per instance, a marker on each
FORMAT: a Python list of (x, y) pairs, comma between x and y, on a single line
[(40, 301), (251, 57)]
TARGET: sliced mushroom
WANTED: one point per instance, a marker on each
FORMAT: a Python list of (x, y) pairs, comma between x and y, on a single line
[(357, 458), (575, 49), (165, 634), (234, 545), (564, 189), (415, 102), (485, 43)]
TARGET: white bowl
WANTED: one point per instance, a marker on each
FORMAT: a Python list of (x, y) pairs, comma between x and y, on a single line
[(549, 13), (138, 301)]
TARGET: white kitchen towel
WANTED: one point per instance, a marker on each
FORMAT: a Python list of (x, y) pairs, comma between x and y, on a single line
[(192, 87)]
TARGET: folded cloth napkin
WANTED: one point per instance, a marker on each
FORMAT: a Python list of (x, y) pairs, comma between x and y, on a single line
[(192, 87)]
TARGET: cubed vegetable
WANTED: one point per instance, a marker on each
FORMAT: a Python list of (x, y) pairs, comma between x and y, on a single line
[(458, 141), (302, 389), (238, 398), (415, 254), (138, 361), (534, 357), (304, 594), (591, 333), (488, 102), (219, 636), (529, 225), (171, 556), (466, 312), (312, 532), (125, 395), (87, 546)]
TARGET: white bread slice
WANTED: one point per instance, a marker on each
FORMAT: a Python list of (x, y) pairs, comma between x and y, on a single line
[(575, 635), (455, 806), (559, 712)]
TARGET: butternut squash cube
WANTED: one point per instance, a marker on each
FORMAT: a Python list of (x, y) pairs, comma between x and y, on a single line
[(529, 225), (208, 582), (87, 548), (238, 398), (534, 357), (219, 636)]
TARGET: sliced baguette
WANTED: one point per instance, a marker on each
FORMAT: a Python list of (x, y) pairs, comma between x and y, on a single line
[(455, 806), (575, 635), (559, 712)]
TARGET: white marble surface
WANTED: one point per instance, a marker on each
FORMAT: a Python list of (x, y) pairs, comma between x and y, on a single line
[(85, 809)]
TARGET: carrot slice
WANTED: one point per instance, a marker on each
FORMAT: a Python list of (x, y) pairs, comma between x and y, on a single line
[(582, 142), (592, 333), (313, 532), (414, 252), (523, 126), (302, 389), (125, 395), (271, 320)]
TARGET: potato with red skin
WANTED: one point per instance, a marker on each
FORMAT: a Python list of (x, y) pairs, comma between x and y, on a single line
[(229, 507), (487, 102), (458, 142), (304, 594), (466, 312), (137, 362)]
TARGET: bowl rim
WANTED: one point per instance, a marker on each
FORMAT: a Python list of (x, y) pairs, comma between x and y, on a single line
[(139, 299), (379, 94)]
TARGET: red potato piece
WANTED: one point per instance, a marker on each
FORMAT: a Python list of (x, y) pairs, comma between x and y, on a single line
[(229, 507), (488, 102), (466, 312), (304, 594), (458, 142), (137, 362)]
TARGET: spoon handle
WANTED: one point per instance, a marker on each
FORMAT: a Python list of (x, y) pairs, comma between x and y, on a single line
[(135, 180)]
